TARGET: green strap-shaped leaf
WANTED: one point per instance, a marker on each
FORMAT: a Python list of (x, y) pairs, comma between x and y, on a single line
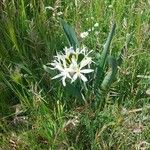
[(102, 58), (70, 33), (111, 73), (105, 51)]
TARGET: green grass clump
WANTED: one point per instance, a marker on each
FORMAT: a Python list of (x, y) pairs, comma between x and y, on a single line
[(36, 112)]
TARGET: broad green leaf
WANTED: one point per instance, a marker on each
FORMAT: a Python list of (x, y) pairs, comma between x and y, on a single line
[(99, 72), (105, 51), (103, 57), (111, 73), (70, 33)]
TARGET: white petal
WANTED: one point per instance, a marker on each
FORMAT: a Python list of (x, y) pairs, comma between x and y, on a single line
[(84, 50), (57, 76), (63, 81), (71, 50), (74, 61), (89, 52), (77, 51), (53, 64), (64, 63), (85, 62), (74, 77), (83, 77), (60, 68), (73, 66), (86, 70), (52, 68), (68, 75)]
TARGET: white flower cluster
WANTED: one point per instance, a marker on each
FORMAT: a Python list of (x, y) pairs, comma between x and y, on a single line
[(86, 33), (72, 64)]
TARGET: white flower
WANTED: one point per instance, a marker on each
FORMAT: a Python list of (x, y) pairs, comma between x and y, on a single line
[(91, 29), (97, 32), (64, 74), (72, 64), (92, 18), (61, 66), (110, 6), (84, 34), (86, 19), (96, 24), (78, 69)]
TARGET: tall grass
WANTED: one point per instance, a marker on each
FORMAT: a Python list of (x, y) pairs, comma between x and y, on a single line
[(36, 113)]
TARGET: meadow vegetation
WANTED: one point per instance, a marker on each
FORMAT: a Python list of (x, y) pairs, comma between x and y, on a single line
[(37, 113)]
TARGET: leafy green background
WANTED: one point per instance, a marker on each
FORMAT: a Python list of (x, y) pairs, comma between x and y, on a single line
[(36, 112)]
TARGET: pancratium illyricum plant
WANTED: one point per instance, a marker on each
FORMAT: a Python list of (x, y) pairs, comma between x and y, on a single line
[(76, 64), (72, 64)]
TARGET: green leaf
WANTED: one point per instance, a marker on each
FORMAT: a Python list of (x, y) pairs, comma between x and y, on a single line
[(70, 33), (110, 74), (102, 58), (74, 90), (22, 66), (80, 57), (105, 51), (99, 72)]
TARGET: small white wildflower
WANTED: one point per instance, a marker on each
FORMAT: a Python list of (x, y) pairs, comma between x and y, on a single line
[(91, 29), (97, 32), (92, 18), (84, 34), (96, 24), (110, 6)]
